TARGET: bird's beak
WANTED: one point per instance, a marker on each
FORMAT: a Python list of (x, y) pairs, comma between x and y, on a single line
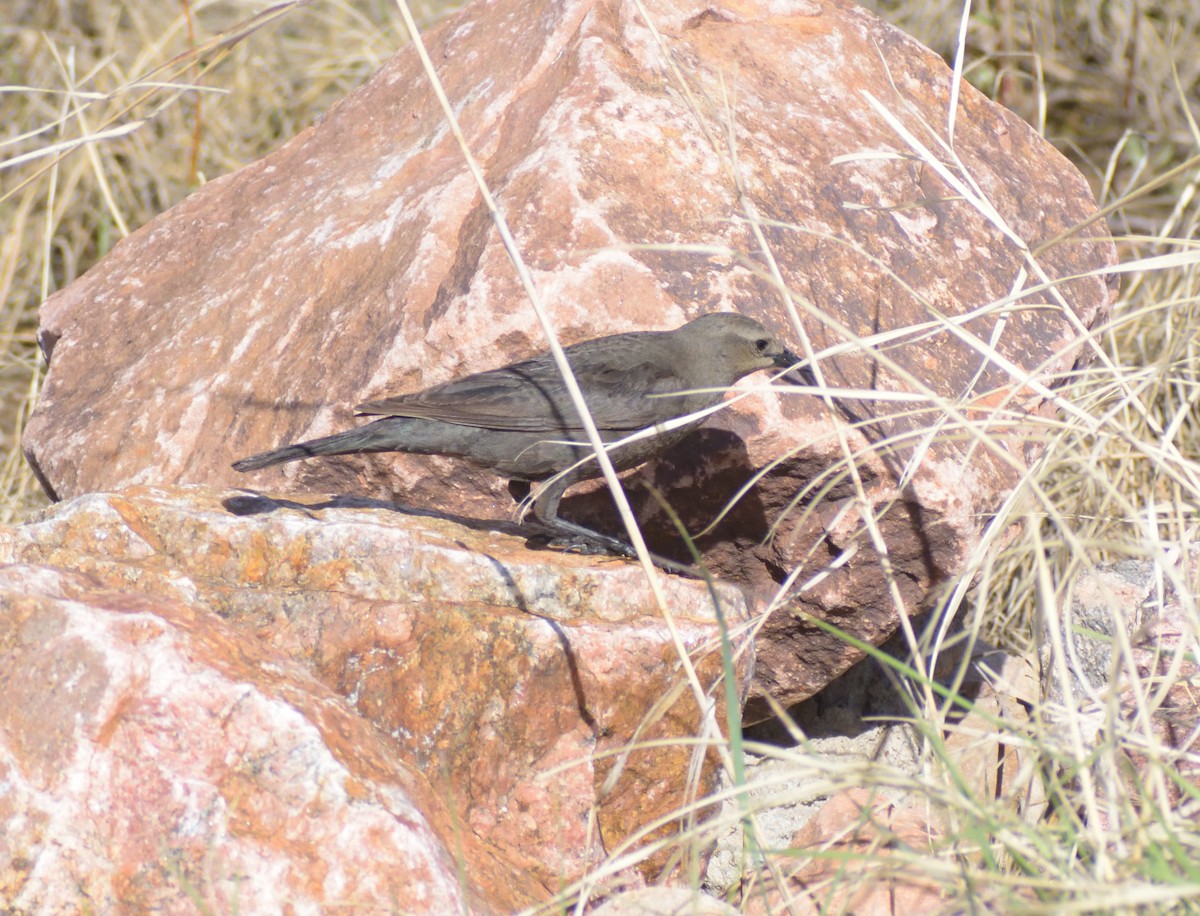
[(801, 375), (786, 358)]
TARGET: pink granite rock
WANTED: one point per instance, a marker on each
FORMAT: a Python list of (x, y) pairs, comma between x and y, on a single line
[(156, 759), (358, 260), (510, 685)]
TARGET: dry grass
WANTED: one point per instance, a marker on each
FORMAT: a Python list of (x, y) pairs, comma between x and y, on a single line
[(1110, 85), (1103, 822), (1099, 817), (1106, 82), (206, 88)]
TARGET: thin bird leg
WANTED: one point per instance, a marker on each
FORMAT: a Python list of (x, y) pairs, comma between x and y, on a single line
[(572, 536)]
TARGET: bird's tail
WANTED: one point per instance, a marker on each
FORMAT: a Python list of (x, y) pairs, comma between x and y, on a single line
[(369, 438)]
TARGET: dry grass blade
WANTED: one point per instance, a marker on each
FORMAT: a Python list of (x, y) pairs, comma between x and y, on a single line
[(101, 126)]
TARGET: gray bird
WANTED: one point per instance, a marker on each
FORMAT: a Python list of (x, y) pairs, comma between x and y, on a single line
[(519, 421)]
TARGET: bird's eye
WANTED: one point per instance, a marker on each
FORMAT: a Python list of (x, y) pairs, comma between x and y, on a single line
[(761, 344)]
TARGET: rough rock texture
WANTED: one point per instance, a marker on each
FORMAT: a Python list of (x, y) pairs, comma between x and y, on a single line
[(867, 851), (1126, 617), (358, 261), (664, 901), (865, 829), (507, 684), (151, 752)]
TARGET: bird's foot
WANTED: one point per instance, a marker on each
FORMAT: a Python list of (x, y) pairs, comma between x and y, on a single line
[(571, 538), (590, 545), (595, 544), (568, 537)]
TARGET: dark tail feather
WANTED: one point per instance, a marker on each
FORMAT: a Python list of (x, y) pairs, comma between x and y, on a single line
[(369, 438)]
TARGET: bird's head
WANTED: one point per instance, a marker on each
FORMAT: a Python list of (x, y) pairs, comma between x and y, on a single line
[(734, 346)]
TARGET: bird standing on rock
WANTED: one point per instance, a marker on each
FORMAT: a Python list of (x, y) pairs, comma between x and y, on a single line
[(519, 420)]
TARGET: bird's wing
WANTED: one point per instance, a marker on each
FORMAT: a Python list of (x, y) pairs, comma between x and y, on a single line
[(531, 397)]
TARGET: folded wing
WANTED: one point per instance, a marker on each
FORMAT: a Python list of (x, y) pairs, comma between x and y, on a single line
[(625, 388)]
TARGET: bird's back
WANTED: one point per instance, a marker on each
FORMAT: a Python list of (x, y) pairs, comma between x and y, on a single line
[(629, 381)]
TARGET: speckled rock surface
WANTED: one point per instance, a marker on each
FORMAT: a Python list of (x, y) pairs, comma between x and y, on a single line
[(497, 689)]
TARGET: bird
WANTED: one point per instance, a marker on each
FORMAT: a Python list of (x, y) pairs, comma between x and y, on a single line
[(519, 420)]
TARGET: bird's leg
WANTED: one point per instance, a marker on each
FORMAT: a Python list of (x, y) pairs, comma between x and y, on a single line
[(570, 535)]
